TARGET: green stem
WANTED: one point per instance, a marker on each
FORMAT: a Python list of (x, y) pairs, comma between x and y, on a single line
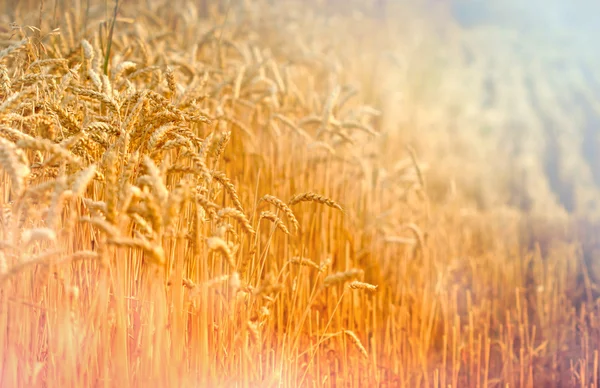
[(110, 35)]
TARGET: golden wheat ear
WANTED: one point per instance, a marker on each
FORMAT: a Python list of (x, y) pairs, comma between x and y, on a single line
[(314, 197), (279, 204)]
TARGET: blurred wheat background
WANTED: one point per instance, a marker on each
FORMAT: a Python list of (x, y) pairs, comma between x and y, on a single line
[(289, 193)]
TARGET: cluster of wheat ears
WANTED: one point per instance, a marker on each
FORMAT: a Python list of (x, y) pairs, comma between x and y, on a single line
[(187, 201)]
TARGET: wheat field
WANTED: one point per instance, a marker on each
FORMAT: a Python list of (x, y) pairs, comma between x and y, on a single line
[(267, 194)]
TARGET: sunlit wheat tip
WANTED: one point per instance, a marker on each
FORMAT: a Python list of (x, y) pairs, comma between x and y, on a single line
[(220, 245), (254, 332), (171, 81), (305, 262), (269, 215), (216, 281), (356, 341), (72, 291), (283, 207), (223, 180), (38, 234), (3, 264), (357, 285), (102, 224), (188, 283), (13, 47), (154, 252), (14, 162), (342, 277), (325, 263), (83, 180), (239, 216), (234, 281), (314, 197), (88, 50)]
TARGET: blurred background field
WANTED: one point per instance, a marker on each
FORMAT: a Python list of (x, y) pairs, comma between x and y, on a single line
[(292, 193)]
